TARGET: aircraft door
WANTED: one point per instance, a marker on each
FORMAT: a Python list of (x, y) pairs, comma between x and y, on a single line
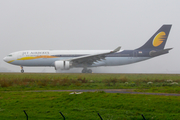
[(135, 54)]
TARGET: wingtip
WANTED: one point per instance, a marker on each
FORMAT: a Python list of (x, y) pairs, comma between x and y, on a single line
[(117, 49)]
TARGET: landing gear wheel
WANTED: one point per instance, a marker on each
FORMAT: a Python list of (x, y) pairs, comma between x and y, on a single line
[(22, 71), (84, 70), (89, 71)]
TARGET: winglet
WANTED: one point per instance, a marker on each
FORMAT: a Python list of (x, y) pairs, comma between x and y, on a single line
[(115, 50)]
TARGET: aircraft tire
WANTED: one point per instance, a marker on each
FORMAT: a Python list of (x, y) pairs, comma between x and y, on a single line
[(89, 71), (84, 70), (22, 71)]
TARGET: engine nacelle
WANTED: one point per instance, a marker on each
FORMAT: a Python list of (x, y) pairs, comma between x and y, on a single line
[(63, 65)]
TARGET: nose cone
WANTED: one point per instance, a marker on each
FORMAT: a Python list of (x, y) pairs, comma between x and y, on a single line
[(5, 59)]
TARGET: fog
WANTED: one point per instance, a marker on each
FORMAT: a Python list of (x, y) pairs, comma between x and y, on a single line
[(89, 25)]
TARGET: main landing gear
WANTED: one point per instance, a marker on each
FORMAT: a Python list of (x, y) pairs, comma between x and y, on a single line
[(22, 70), (85, 70)]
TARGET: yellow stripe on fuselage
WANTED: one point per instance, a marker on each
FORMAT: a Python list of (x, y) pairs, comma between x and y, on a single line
[(36, 57), (11, 61)]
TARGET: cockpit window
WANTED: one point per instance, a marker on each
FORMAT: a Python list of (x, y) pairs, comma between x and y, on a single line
[(9, 55)]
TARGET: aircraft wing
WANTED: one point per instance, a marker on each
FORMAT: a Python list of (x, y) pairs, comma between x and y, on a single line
[(90, 59)]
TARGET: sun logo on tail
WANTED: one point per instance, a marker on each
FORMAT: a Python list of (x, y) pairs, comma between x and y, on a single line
[(159, 39)]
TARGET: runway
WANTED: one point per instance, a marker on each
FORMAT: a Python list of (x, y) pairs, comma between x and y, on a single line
[(122, 91)]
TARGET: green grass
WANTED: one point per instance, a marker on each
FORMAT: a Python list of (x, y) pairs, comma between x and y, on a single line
[(85, 106), (16, 96), (138, 82)]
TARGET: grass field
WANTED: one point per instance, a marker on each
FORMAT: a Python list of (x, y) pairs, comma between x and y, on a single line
[(85, 106), (165, 83), (16, 95)]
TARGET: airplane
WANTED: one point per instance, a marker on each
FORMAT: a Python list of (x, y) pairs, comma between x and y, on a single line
[(67, 59)]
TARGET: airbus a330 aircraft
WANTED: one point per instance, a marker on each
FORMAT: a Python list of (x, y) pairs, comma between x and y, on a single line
[(67, 59)]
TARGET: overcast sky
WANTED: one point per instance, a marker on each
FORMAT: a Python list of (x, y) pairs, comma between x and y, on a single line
[(89, 25)]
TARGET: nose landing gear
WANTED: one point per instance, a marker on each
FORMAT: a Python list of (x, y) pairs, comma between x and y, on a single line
[(22, 70)]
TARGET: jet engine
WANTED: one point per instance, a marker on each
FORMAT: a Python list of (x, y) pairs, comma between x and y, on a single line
[(63, 65)]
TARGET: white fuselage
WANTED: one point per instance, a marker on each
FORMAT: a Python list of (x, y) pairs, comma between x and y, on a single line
[(48, 57)]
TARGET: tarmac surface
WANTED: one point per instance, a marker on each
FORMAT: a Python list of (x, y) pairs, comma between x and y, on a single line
[(122, 91)]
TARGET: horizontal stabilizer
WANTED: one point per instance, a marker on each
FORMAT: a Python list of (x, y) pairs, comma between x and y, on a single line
[(156, 53)]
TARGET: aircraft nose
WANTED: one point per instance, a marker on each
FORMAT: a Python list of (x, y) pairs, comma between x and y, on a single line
[(5, 59)]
